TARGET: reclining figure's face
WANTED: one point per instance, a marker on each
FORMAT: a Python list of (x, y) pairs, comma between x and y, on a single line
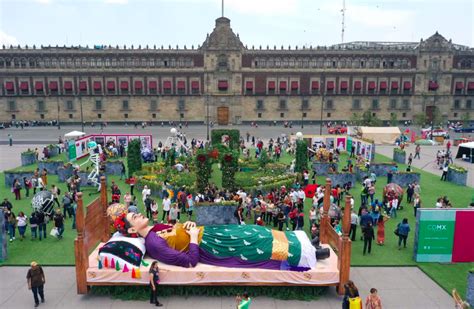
[(137, 222)]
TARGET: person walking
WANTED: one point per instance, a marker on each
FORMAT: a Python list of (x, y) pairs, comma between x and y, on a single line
[(351, 294), (122, 170), (354, 223), (22, 222), (381, 230), (416, 204), (368, 237), (41, 225), (244, 301), (36, 281), (403, 229), (16, 188), (445, 172), (34, 225), (59, 222), (154, 281), (10, 140), (373, 301), (27, 185), (166, 208), (417, 152), (11, 224)]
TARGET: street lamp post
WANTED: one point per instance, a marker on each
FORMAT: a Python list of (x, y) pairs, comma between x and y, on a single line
[(207, 115)]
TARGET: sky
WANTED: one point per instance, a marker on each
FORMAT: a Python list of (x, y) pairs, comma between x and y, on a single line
[(258, 22)]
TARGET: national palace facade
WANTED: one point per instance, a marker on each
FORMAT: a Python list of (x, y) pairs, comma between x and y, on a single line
[(233, 83)]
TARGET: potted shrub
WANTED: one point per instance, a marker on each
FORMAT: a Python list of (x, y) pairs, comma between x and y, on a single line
[(28, 157), (470, 287)]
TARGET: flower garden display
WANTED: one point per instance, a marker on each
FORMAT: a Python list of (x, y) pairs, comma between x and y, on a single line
[(28, 157)]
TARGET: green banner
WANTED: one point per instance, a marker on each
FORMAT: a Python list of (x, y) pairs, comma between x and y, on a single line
[(435, 235), (72, 150), (349, 144)]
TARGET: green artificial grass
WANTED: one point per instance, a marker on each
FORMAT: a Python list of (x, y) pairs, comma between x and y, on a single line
[(279, 292), (61, 252)]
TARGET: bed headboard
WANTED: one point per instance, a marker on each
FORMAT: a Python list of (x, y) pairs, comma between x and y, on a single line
[(340, 244), (92, 227)]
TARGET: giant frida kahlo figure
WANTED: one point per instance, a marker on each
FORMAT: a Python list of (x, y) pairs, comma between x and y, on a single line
[(244, 246)]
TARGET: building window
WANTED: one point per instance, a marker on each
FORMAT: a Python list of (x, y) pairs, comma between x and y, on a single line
[(13, 116), (468, 104), (259, 115), (181, 116), (329, 104), (99, 116), (328, 115), (11, 106), (374, 114), (356, 104), (304, 115), (283, 104), (304, 104), (40, 106), (404, 115), (125, 116), (42, 116), (455, 114), (153, 116), (406, 104), (69, 105), (125, 105), (71, 116), (181, 104), (457, 104), (282, 115), (393, 103), (98, 105), (153, 105), (375, 104), (260, 104)]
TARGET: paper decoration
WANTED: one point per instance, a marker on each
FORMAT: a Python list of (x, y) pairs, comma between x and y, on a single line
[(145, 263), (134, 275), (112, 263), (106, 262), (100, 264), (138, 273), (125, 269), (117, 266)]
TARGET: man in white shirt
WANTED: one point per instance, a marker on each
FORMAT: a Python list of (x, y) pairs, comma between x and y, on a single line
[(294, 196), (301, 194), (145, 193), (166, 208), (354, 223), (393, 210)]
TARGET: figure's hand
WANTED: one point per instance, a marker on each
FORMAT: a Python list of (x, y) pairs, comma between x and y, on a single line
[(189, 224), (193, 234)]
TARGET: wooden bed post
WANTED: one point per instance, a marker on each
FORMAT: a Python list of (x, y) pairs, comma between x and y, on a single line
[(103, 205), (82, 259), (325, 221), (345, 250)]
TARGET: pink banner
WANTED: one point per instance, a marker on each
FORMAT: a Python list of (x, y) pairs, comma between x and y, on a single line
[(463, 248)]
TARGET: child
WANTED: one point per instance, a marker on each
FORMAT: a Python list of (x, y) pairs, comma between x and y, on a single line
[(154, 211)]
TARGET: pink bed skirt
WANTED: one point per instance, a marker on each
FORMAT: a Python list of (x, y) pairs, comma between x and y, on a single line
[(325, 273)]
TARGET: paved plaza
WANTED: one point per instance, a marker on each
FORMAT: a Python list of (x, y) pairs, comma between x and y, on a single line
[(402, 287)]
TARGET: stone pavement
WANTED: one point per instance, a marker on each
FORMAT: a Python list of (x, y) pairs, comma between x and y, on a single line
[(427, 161), (399, 287)]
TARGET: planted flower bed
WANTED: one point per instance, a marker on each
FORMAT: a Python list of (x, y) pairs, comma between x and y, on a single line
[(216, 213), (403, 179), (324, 168), (10, 177), (51, 166), (263, 180), (379, 169), (113, 167), (470, 288), (399, 155), (457, 175), (342, 178), (65, 172), (28, 157)]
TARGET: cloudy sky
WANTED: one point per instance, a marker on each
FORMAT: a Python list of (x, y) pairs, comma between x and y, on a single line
[(259, 22)]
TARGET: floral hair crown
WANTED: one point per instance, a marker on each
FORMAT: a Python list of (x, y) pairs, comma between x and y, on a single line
[(119, 223)]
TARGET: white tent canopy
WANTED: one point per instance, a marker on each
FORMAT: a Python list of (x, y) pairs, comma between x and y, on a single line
[(466, 152), (74, 134), (380, 135)]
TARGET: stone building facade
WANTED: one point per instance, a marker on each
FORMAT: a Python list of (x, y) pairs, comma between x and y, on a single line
[(227, 82)]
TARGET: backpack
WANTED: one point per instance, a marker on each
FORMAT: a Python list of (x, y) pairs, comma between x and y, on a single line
[(58, 190)]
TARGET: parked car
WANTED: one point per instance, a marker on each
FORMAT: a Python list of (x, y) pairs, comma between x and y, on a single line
[(469, 129), (337, 130)]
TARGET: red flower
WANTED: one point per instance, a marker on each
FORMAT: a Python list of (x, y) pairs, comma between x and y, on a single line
[(214, 153), (228, 158), (201, 158)]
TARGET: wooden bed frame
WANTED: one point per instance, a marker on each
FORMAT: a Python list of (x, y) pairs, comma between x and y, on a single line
[(93, 227)]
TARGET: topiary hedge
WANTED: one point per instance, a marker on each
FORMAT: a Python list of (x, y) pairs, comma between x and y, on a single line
[(134, 157), (301, 163), (234, 137)]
